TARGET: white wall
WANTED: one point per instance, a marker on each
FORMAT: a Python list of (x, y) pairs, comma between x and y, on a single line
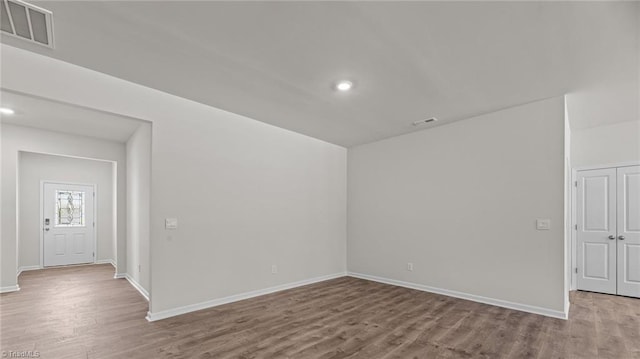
[(603, 145), (610, 93), (605, 112), (34, 168), (138, 209), (18, 138), (247, 195), (460, 202)]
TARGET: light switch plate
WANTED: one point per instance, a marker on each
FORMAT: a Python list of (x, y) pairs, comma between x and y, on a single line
[(171, 223), (543, 224)]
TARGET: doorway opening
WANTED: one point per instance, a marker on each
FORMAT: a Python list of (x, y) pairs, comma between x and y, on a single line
[(68, 211), (48, 143)]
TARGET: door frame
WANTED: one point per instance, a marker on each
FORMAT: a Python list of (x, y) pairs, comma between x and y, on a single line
[(574, 212), (95, 216)]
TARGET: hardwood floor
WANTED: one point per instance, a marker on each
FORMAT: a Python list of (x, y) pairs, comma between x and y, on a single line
[(81, 312)]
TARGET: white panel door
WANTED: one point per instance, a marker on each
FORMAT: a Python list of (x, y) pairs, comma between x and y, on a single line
[(596, 210), (629, 231), (68, 213)]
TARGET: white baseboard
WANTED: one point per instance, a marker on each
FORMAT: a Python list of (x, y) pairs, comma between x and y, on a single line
[(27, 268), (120, 275), (137, 286), (234, 298), (472, 297), (9, 289), (106, 261)]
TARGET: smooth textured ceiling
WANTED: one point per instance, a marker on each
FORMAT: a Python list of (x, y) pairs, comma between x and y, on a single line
[(277, 61), (59, 117)]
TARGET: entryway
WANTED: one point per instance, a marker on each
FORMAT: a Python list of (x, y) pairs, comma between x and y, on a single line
[(608, 230), (78, 181), (69, 224)]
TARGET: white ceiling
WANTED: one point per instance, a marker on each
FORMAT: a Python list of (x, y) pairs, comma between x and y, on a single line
[(277, 61), (59, 117)]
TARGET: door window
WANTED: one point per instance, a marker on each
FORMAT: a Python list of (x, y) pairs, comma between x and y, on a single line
[(69, 209)]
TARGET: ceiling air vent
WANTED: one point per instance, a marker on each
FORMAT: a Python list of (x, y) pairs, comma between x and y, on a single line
[(27, 22)]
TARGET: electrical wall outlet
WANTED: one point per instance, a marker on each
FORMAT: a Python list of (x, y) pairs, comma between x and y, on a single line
[(274, 269), (410, 267), (543, 224)]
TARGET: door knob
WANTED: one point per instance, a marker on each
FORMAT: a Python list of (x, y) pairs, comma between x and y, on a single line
[(621, 238), (612, 237), (46, 229)]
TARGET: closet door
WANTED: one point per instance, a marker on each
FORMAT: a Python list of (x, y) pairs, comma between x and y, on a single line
[(596, 210), (628, 231)]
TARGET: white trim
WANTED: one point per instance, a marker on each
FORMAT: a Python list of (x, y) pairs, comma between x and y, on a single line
[(472, 297), (56, 153), (152, 317), (27, 268), (574, 231), (119, 275), (610, 165), (137, 286), (106, 261), (9, 289)]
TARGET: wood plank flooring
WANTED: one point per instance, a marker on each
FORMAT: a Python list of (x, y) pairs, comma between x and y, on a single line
[(81, 312)]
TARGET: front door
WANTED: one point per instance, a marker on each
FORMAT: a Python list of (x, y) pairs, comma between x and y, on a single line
[(68, 214)]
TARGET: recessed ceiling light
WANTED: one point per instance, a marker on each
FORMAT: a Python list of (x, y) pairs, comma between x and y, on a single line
[(6, 111), (344, 85)]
